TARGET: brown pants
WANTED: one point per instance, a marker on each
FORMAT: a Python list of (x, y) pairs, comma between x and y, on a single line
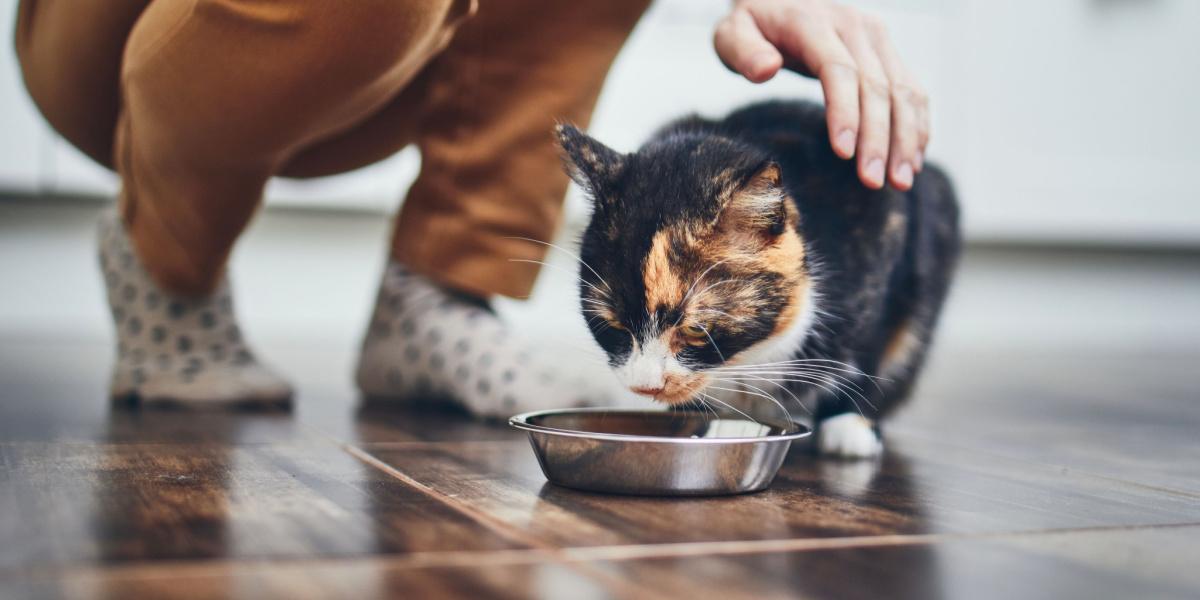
[(196, 103)]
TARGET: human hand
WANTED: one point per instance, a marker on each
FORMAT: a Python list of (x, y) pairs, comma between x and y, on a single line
[(874, 106)]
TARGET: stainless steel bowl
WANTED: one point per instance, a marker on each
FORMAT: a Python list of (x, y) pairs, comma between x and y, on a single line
[(655, 452)]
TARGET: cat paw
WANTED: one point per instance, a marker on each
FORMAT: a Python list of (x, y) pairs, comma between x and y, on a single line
[(848, 436)]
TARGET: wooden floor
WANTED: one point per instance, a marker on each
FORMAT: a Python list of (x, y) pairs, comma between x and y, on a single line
[(1059, 470), (1061, 477)]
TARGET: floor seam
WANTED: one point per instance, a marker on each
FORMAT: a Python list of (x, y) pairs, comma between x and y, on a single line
[(400, 445), (568, 556), (497, 526)]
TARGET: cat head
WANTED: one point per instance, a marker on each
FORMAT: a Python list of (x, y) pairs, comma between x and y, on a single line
[(693, 260)]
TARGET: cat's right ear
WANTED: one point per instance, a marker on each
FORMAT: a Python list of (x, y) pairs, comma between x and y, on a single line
[(589, 163)]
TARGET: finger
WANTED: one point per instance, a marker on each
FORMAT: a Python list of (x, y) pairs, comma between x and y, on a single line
[(910, 122), (875, 103), (922, 132), (815, 44), (743, 49), (902, 155)]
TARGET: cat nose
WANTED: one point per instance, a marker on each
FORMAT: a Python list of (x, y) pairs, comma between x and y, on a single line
[(646, 391)]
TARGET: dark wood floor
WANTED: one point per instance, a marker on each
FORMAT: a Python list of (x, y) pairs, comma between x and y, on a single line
[(1076, 476), (1053, 471)]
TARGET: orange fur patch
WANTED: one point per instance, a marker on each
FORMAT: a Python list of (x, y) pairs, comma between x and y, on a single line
[(738, 243), (682, 389), (787, 260), (900, 347), (664, 288)]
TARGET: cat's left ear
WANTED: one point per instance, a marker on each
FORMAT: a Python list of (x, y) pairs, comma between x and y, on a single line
[(589, 163), (757, 205)]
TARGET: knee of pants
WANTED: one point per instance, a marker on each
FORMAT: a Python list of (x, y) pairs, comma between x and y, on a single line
[(238, 80)]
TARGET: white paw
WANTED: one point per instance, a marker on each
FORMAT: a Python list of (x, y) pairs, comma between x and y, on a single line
[(848, 436)]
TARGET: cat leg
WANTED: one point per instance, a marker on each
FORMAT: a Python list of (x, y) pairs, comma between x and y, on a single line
[(845, 420), (848, 435), (425, 341)]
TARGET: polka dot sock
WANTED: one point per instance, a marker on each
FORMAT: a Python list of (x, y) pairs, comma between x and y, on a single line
[(174, 350), (425, 341)]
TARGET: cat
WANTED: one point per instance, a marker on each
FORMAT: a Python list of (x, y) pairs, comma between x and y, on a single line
[(742, 255)]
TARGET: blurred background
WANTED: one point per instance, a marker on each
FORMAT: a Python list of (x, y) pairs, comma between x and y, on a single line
[(1070, 128)]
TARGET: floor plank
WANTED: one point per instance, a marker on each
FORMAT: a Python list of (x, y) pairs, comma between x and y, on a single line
[(348, 579), (106, 504), (917, 488), (1151, 563), (1130, 415), (1122, 563)]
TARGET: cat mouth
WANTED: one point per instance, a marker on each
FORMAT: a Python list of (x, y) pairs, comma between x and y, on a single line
[(675, 390)]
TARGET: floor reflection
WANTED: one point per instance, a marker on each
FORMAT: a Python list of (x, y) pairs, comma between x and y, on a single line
[(160, 501)]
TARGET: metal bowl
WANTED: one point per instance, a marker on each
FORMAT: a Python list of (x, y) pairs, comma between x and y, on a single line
[(657, 453)]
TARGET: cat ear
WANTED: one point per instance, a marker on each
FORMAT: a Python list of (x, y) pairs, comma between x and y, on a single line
[(589, 163), (757, 205)]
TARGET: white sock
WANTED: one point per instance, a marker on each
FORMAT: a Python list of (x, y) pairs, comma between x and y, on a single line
[(177, 350), (426, 341)]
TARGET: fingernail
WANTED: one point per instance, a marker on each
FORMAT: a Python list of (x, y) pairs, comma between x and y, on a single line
[(761, 63), (904, 175), (875, 172), (844, 143)]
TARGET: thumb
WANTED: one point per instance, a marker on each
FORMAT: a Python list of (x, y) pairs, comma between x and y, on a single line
[(743, 49)]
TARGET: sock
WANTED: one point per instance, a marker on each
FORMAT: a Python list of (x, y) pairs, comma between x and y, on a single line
[(424, 340), (174, 350)]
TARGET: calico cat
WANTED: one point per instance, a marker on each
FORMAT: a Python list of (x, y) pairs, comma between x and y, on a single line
[(741, 255)]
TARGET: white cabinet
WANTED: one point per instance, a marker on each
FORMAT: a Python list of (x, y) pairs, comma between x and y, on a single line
[(1070, 120), (1081, 119)]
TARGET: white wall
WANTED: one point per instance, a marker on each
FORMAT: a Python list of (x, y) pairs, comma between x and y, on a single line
[(1068, 120)]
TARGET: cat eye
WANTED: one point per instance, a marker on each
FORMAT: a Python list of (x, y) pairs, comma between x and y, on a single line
[(694, 333)]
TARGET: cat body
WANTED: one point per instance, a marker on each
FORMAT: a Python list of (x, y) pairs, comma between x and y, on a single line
[(742, 255)]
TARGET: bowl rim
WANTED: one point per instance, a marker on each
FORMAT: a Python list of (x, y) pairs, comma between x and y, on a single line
[(521, 421)]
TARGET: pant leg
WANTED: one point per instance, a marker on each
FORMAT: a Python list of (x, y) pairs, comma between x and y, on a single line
[(70, 56), (490, 168), (219, 94)]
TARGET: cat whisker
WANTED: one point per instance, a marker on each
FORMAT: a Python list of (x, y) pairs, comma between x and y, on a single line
[(712, 341), (730, 407), (719, 312), (809, 372), (804, 371), (840, 366), (698, 403), (822, 381), (707, 410), (823, 370), (568, 253), (688, 294), (786, 415), (598, 291), (780, 386), (818, 364), (752, 393), (723, 281), (595, 302)]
